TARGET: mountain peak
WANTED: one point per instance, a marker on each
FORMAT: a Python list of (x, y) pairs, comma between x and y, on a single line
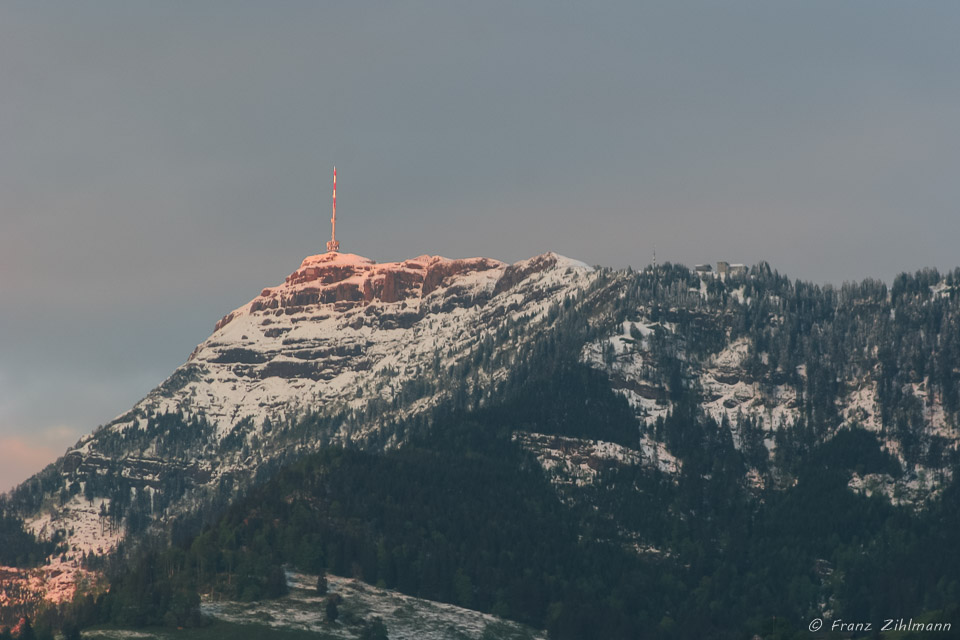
[(347, 280), (338, 335), (340, 318), (335, 258)]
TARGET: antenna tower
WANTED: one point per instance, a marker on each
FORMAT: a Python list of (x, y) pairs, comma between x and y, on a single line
[(333, 245)]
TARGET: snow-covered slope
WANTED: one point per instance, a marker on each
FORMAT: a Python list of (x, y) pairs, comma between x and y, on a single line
[(743, 391), (406, 617), (342, 330), (325, 336), (342, 339)]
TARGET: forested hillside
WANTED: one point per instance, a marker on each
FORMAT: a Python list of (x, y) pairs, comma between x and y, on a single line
[(609, 454), (464, 515)]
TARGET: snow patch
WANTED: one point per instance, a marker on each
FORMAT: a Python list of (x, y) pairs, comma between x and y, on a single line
[(406, 617)]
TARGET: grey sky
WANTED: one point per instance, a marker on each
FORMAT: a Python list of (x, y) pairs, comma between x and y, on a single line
[(161, 162)]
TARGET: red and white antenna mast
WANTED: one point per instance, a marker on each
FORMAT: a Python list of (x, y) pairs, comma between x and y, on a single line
[(333, 245)]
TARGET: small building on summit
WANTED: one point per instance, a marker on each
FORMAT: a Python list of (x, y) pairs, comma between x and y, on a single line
[(726, 270)]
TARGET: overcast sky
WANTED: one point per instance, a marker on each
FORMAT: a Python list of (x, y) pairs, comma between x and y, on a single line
[(160, 163)]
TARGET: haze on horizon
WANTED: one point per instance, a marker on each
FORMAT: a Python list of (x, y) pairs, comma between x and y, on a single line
[(162, 163)]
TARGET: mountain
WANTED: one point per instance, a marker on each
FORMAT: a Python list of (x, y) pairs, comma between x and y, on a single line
[(343, 339), (343, 331), (695, 425)]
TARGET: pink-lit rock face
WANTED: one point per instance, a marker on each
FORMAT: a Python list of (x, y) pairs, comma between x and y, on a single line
[(349, 280), (23, 591)]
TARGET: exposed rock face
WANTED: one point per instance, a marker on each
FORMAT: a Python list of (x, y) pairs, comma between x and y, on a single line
[(348, 281), (578, 461), (139, 472)]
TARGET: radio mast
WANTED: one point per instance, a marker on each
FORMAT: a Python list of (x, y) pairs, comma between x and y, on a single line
[(333, 245)]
